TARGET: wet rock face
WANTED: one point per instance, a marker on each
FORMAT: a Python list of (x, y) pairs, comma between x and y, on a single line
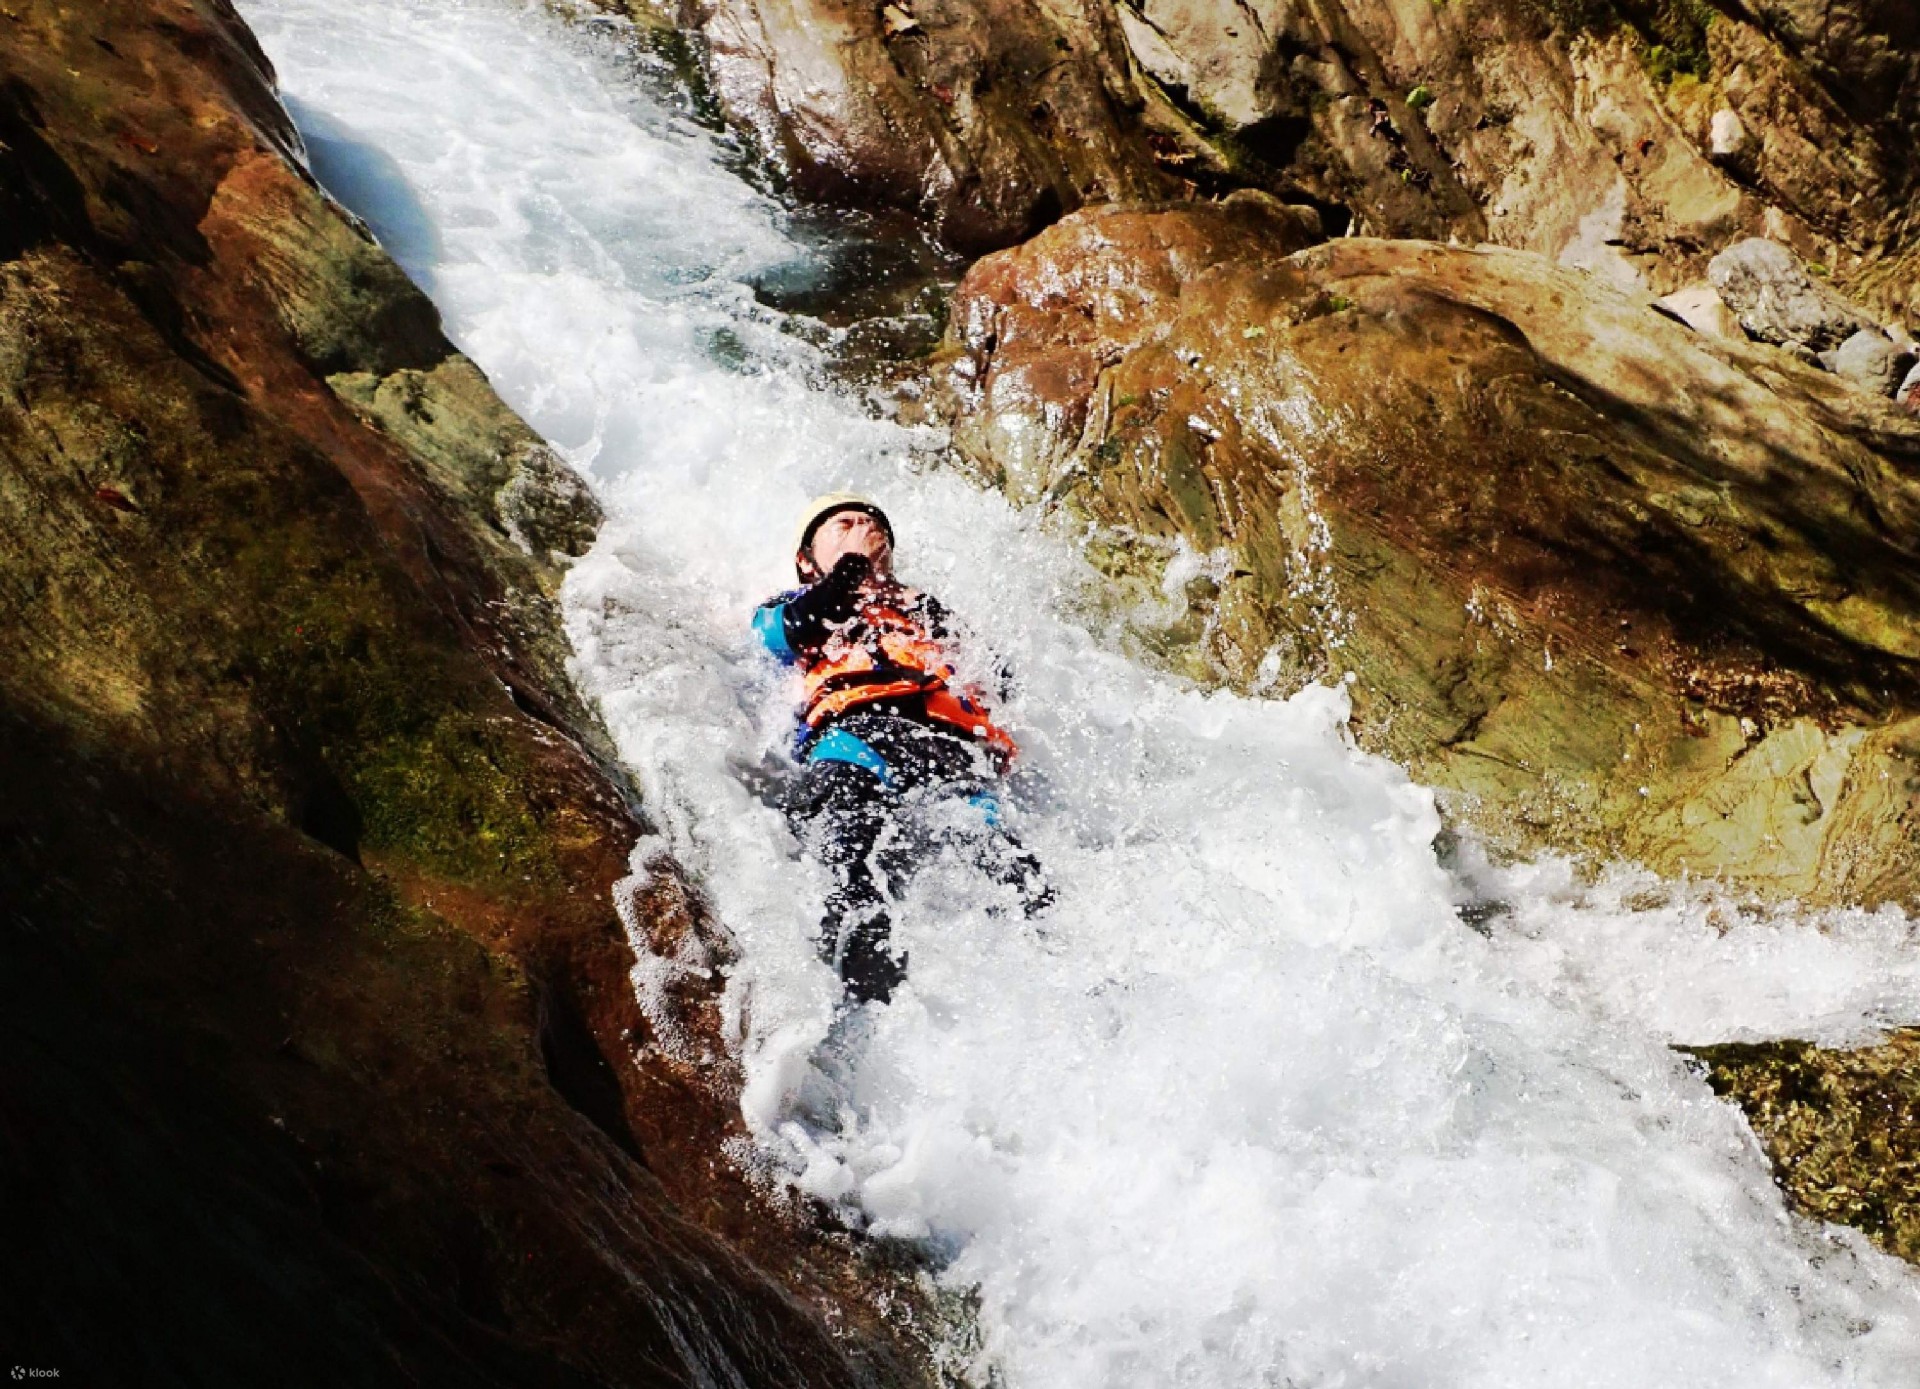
[(989, 121), (318, 1033), (1618, 586), (1635, 138), (1043, 321)]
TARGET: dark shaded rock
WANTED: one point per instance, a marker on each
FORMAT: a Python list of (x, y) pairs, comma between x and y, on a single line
[(988, 121), (1866, 53), (1618, 587), (1908, 392), (273, 1123), (323, 1061)]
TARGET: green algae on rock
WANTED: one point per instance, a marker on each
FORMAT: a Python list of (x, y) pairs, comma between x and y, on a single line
[(1616, 587), (1842, 1127)]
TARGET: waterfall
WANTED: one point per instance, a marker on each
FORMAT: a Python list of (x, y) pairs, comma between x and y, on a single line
[(1251, 1106)]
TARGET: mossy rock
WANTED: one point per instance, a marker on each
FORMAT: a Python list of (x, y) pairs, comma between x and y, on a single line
[(1611, 587), (316, 987), (1841, 1127), (1673, 33)]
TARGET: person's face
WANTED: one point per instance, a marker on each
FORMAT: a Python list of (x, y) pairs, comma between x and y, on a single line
[(850, 533)]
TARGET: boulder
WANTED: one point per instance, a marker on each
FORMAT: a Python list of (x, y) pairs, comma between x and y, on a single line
[(1871, 360), (1727, 136), (1777, 301), (987, 120), (1841, 1127), (1051, 343), (1615, 586), (1865, 53)]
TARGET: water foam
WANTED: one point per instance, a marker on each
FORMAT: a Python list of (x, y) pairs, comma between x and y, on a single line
[(1252, 1107)]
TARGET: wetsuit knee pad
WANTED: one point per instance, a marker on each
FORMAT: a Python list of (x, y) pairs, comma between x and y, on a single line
[(831, 786)]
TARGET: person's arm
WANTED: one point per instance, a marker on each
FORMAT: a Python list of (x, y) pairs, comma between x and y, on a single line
[(795, 622), (1005, 685), (768, 626), (942, 626)]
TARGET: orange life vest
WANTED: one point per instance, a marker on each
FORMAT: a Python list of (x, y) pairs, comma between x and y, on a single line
[(888, 653)]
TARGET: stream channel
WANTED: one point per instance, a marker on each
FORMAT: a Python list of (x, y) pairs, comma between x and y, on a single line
[(1252, 1105)]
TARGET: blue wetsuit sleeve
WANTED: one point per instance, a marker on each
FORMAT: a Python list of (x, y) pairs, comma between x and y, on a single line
[(770, 625)]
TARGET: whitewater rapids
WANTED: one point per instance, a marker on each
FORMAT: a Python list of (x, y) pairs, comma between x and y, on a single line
[(1255, 1108)]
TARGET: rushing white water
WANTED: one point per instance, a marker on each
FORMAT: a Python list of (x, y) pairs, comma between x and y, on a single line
[(1255, 1108)]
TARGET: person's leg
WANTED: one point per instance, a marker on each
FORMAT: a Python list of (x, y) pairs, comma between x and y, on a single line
[(1022, 872), (1007, 861), (843, 815), (934, 763)]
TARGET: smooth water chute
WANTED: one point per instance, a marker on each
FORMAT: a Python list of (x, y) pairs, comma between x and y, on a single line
[(1256, 1107)]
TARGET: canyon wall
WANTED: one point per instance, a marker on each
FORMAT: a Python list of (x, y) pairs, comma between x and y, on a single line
[(1635, 138), (322, 1060)]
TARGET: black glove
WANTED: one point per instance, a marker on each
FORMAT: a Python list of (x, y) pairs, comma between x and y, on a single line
[(834, 599)]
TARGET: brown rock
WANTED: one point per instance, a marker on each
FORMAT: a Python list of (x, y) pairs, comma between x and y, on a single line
[(1617, 586), (1701, 309), (989, 122), (1629, 137), (1866, 53), (1585, 132), (1842, 1127), (1047, 318), (322, 1064)]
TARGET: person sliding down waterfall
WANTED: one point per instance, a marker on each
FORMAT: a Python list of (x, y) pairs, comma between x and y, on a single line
[(884, 732)]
